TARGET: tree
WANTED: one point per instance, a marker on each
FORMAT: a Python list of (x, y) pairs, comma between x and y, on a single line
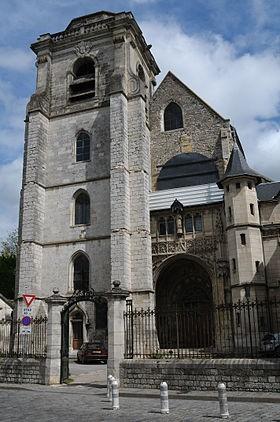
[(8, 254)]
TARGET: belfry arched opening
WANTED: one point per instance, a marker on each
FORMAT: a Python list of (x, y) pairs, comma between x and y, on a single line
[(184, 305)]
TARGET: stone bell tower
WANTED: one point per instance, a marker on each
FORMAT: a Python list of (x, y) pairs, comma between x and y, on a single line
[(86, 176)]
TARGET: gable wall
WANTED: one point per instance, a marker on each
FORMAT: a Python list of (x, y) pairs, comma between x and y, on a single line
[(201, 131)]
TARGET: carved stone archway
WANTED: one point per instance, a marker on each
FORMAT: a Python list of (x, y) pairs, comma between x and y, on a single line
[(184, 303)]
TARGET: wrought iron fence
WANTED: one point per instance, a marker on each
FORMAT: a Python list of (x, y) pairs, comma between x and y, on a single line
[(242, 329), (15, 341)]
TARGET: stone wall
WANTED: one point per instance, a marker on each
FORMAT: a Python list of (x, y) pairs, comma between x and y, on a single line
[(197, 374), (18, 370), (204, 130)]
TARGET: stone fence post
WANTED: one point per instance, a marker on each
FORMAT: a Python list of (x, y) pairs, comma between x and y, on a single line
[(53, 361), (116, 335)]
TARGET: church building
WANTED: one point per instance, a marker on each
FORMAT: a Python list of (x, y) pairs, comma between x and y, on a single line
[(127, 182)]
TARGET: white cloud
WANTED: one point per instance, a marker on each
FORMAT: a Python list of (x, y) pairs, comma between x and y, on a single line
[(10, 178), (243, 87), (15, 59)]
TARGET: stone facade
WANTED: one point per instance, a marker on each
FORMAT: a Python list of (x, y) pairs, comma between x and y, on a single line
[(97, 78)]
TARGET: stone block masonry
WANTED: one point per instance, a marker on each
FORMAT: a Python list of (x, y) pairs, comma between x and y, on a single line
[(198, 374), (21, 370)]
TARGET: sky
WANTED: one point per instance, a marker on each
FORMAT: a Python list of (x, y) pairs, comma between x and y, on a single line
[(227, 51)]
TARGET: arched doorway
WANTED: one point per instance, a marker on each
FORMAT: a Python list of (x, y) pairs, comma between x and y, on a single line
[(184, 305), (71, 313)]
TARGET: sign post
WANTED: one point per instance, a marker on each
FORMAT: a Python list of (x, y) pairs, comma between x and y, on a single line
[(25, 327)]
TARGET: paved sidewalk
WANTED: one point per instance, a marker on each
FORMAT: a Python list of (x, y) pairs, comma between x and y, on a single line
[(87, 402)]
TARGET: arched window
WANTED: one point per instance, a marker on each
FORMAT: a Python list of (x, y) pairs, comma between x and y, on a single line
[(173, 118), (81, 272), (83, 147), (82, 209), (83, 85), (84, 68)]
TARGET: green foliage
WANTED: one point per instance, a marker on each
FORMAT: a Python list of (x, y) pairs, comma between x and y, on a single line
[(9, 246), (8, 254)]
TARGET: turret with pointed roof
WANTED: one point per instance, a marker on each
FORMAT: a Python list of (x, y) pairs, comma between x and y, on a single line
[(238, 166)]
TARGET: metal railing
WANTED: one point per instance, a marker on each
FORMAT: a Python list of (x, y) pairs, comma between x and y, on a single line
[(242, 329), (14, 343)]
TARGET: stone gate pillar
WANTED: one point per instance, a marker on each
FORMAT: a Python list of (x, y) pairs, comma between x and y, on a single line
[(53, 361), (116, 336)]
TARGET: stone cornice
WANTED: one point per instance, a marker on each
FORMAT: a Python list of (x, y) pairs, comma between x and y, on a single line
[(242, 226), (67, 242)]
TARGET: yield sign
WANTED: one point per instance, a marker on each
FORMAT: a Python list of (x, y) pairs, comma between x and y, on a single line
[(28, 299)]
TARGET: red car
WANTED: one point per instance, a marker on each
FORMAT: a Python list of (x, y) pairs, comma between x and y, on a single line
[(92, 352)]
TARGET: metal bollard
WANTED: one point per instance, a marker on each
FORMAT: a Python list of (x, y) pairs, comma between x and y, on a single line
[(109, 387), (115, 395), (164, 405), (222, 395)]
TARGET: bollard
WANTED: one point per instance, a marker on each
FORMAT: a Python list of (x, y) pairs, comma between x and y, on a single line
[(222, 395), (115, 395), (164, 406), (109, 387)]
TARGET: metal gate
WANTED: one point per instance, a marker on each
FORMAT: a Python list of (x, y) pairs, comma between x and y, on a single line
[(78, 296)]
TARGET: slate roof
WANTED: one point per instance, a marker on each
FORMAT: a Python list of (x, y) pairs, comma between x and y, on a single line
[(238, 166), (268, 191), (187, 169)]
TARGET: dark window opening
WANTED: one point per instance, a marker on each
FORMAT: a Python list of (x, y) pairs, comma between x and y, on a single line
[(243, 239), (252, 209), (197, 223), (170, 225), (82, 209), (257, 266), (83, 85), (237, 185), (249, 185), (141, 73), (101, 316), (227, 187), (83, 147), (189, 223), (229, 214), (162, 227), (173, 118), (233, 265), (84, 68), (81, 273)]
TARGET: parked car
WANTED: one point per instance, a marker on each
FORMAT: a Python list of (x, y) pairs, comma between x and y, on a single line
[(92, 352), (270, 344)]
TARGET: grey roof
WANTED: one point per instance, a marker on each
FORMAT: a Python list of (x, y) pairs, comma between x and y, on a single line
[(187, 169), (268, 191), (238, 166)]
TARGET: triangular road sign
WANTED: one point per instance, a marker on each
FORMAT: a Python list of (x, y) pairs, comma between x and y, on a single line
[(28, 299)]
